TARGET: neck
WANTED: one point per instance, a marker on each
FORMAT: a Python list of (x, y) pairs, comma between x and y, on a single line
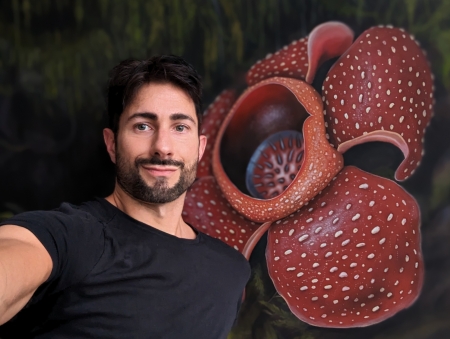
[(165, 217)]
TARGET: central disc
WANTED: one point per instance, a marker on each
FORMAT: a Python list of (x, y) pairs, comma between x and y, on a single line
[(275, 164)]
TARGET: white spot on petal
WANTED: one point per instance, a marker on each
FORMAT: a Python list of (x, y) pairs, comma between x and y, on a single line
[(303, 237)]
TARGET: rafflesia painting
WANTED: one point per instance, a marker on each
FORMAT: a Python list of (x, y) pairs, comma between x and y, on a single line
[(343, 245)]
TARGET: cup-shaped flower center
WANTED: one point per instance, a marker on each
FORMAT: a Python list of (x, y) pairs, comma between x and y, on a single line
[(265, 111)]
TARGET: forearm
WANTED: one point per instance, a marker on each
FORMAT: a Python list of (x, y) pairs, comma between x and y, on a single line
[(13, 295), (2, 292), (24, 266)]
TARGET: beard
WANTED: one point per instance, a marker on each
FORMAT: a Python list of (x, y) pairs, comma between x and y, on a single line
[(129, 178)]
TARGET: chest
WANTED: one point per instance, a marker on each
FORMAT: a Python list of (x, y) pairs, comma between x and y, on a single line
[(154, 287)]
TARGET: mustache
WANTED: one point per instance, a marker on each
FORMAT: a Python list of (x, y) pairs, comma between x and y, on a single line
[(159, 161)]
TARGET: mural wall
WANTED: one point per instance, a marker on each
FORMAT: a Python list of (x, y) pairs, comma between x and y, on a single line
[(380, 71)]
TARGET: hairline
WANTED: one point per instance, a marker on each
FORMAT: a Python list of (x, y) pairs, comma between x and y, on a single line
[(137, 89)]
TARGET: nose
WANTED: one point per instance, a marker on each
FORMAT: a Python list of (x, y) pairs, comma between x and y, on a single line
[(162, 145)]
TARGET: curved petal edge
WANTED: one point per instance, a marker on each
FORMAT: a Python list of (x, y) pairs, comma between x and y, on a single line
[(212, 119), (326, 41), (321, 161)]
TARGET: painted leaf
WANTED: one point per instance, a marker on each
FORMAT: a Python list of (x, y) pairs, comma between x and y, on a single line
[(352, 257)]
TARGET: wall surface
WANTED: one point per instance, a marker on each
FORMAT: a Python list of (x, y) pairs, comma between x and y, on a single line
[(54, 61)]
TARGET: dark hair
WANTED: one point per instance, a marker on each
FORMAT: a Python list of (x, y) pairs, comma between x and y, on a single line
[(128, 77)]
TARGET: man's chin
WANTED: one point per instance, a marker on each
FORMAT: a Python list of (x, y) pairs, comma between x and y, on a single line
[(167, 181), (161, 184)]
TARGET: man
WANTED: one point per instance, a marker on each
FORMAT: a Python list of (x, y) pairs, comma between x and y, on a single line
[(127, 266)]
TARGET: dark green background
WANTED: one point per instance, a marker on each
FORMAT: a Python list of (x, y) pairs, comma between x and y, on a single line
[(54, 61)]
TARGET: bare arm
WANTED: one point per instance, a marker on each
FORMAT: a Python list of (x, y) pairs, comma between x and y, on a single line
[(24, 265)]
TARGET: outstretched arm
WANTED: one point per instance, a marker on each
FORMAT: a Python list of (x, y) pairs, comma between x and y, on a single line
[(24, 265)]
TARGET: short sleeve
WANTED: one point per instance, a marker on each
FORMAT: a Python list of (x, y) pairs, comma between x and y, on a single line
[(73, 238)]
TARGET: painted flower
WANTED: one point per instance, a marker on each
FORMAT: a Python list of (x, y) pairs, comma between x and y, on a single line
[(343, 244)]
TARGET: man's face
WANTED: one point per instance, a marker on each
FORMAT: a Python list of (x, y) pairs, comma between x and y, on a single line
[(157, 147)]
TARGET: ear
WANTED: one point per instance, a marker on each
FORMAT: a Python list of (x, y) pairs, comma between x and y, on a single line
[(201, 146), (110, 142)]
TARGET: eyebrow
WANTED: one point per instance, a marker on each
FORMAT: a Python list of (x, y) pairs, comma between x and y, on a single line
[(154, 117)]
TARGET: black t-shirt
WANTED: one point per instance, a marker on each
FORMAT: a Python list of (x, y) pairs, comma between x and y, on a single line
[(115, 277)]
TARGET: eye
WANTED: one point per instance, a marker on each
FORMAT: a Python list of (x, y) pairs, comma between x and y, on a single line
[(141, 127), (180, 128)]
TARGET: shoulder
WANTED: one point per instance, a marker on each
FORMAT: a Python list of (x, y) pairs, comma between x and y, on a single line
[(71, 234), (227, 255), (65, 214), (66, 221), (92, 212)]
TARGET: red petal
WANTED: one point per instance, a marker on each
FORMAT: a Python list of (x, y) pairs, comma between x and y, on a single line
[(242, 129), (302, 58), (381, 89), (206, 209), (352, 257), (326, 41), (212, 120), (290, 61)]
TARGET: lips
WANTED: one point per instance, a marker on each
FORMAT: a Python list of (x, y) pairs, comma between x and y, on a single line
[(160, 170)]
